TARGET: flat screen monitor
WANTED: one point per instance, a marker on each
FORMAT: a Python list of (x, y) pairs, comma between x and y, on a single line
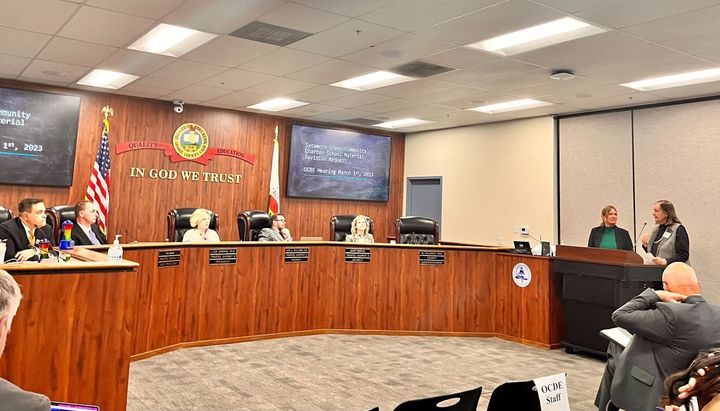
[(338, 164), (38, 132)]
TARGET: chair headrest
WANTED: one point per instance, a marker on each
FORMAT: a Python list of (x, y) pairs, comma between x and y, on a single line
[(5, 214), (417, 225)]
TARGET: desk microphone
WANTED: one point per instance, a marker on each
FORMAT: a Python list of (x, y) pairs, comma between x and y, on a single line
[(638, 236), (129, 237), (50, 245)]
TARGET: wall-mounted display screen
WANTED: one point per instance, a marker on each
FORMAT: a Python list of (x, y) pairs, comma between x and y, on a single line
[(38, 132), (338, 164)]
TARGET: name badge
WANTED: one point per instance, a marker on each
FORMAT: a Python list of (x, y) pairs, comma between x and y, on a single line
[(667, 234)]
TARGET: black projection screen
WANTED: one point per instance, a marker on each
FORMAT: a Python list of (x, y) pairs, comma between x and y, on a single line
[(38, 132), (338, 164)]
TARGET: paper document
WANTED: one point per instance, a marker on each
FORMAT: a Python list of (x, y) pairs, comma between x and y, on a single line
[(617, 335), (647, 257)]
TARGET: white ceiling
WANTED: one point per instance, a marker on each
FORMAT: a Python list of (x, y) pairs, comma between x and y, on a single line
[(57, 42)]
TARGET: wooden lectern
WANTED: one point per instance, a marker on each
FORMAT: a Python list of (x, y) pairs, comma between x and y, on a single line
[(595, 282)]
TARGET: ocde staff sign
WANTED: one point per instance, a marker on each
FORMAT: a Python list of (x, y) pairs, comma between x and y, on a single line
[(553, 394)]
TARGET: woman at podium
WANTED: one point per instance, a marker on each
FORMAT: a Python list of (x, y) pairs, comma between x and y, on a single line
[(668, 241), (608, 234)]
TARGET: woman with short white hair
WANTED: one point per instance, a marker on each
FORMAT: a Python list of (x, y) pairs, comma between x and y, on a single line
[(200, 231)]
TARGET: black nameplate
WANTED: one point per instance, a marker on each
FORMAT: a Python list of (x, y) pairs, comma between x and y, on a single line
[(223, 256), (168, 258), (432, 257), (357, 255), (297, 255)]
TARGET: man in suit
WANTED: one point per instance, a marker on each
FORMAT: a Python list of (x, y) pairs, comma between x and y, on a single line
[(23, 231), (278, 232), (12, 398), (86, 231), (670, 327)]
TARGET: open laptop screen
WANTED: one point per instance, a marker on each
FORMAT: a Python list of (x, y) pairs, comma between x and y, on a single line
[(522, 247), (66, 406)]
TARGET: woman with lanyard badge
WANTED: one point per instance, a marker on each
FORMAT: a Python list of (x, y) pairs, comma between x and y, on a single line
[(668, 241)]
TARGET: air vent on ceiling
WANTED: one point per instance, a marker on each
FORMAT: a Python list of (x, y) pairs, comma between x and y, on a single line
[(270, 34), (420, 69), (363, 121)]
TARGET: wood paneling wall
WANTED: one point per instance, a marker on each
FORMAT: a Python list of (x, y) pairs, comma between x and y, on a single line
[(139, 205)]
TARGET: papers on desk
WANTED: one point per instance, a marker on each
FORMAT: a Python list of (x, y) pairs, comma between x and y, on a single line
[(647, 257), (617, 335)]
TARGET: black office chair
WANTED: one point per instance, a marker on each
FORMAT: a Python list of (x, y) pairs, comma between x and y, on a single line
[(520, 395), (417, 230), (56, 215), (250, 223), (178, 222), (466, 401), (340, 226), (5, 214)]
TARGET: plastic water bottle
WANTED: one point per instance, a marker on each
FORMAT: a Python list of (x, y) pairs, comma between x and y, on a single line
[(115, 252)]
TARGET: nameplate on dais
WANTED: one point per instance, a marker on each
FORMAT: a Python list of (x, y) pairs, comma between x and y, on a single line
[(357, 255), (432, 257), (168, 258), (223, 256), (297, 255)]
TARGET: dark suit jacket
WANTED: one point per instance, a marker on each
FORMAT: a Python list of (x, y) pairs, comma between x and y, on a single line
[(622, 238), (14, 232), (12, 398), (80, 238), (668, 336)]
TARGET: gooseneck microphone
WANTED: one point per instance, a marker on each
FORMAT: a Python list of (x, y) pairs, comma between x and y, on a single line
[(50, 245), (638, 236)]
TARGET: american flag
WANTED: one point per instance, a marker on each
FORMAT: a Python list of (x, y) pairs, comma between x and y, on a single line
[(274, 200), (98, 189)]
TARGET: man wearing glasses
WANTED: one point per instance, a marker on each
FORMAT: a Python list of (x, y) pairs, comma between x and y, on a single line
[(278, 232), (21, 233)]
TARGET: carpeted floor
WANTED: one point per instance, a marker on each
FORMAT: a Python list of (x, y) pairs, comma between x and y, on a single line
[(346, 372)]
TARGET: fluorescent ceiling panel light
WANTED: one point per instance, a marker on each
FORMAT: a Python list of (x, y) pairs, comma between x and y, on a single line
[(405, 122), (510, 106), (676, 80), (169, 40), (107, 79), (373, 80), (278, 104), (543, 35)]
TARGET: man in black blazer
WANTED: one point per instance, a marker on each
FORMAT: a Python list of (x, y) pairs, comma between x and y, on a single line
[(86, 231), (29, 225)]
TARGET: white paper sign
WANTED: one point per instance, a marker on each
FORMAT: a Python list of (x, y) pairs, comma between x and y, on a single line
[(553, 394)]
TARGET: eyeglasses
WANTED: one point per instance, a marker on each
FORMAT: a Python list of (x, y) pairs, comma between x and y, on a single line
[(282, 221)]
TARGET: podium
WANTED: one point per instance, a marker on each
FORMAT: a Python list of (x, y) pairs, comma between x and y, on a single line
[(595, 282)]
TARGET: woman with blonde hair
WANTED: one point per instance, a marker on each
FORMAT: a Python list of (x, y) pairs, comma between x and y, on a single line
[(608, 234), (200, 231), (359, 231)]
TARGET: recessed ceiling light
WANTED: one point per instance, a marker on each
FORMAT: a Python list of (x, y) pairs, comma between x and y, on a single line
[(405, 122), (278, 104), (510, 106), (535, 37), (676, 80), (373, 80), (562, 75), (107, 79), (170, 40)]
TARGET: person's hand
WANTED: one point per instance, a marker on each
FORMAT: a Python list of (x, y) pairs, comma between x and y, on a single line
[(25, 255), (659, 261), (687, 389), (670, 297), (285, 232), (645, 238)]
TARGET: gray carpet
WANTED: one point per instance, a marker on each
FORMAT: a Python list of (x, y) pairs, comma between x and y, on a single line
[(346, 372)]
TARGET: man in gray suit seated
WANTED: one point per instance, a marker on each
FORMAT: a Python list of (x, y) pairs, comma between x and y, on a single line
[(12, 398), (278, 232), (670, 327)]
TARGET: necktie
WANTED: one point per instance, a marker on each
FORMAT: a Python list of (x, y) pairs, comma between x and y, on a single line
[(93, 238), (31, 238)]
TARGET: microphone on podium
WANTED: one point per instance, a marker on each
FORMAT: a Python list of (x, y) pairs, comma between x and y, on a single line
[(638, 236)]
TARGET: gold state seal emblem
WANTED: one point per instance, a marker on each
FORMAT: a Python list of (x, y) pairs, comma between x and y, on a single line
[(190, 141)]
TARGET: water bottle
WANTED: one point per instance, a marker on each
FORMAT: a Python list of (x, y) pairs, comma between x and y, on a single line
[(115, 252)]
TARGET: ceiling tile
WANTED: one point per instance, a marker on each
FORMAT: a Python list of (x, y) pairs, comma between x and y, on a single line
[(187, 71), (283, 61), (280, 87), (415, 88), (693, 91), (493, 69), (346, 38), (398, 51), (460, 57), (575, 6), (697, 23), (44, 81), (619, 14), (200, 93), (297, 17), (331, 71), (139, 90), (135, 62), (357, 99), (75, 52), (55, 72), (160, 83), (12, 65), (154, 9), (625, 100), (352, 8), (320, 94), (389, 105), (235, 79), (237, 99), (342, 115), (524, 79), (229, 51), (21, 43), (312, 110), (104, 27), (219, 16), (42, 16), (419, 14), (476, 99)]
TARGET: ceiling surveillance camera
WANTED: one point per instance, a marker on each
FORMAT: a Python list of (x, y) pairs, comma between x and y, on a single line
[(178, 105), (178, 109)]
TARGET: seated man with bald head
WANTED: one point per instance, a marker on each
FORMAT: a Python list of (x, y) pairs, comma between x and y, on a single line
[(670, 327)]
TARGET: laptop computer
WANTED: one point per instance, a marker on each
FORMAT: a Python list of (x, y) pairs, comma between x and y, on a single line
[(67, 406), (522, 247)]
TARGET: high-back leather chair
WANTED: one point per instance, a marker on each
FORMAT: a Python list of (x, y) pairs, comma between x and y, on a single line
[(5, 214), (56, 215), (417, 230), (517, 395), (340, 226), (250, 223), (178, 222)]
